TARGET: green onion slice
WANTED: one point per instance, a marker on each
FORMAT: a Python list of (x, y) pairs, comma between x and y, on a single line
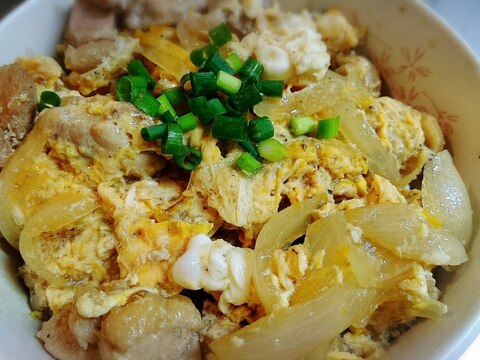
[(175, 95), (246, 98), (210, 110), (203, 83), (227, 83), (272, 150), (199, 57), (234, 61), (230, 128), (248, 164), (146, 102), (251, 68), (251, 148), (136, 68), (153, 132), (128, 86), (165, 105), (172, 142), (220, 34), (217, 63), (187, 122), (301, 125), (188, 158), (49, 99), (328, 128), (260, 129), (273, 88)]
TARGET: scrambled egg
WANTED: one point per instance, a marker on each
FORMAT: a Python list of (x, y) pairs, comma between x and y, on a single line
[(102, 217)]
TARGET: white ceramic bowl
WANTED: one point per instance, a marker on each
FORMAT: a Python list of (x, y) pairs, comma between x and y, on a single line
[(424, 64)]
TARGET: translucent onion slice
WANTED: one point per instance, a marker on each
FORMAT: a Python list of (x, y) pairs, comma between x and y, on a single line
[(408, 231), (294, 332), (354, 126), (445, 196), (281, 230), (169, 57), (53, 215), (372, 266), (340, 96), (16, 174)]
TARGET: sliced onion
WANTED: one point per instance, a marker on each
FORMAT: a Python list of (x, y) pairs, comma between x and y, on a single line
[(445, 196), (339, 95), (371, 266), (354, 126), (14, 176), (51, 216), (281, 230), (294, 332), (169, 57), (408, 231)]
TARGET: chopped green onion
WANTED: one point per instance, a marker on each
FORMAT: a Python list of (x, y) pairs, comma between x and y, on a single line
[(272, 88), (127, 86), (212, 108), (272, 150), (184, 79), (203, 83), (301, 125), (251, 148), (188, 158), (167, 117), (172, 142), (196, 103), (234, 61), (228, 83), (175, 95), (49, 99), (153, 132), (165, 105), (248, 164), (231, 110), (328, 128), (187, 122), (251, 68), (260, 129), (217, 63), (246, 98), (199, 57), (136, 68), (220, 34), (229, 128), (146, 102)]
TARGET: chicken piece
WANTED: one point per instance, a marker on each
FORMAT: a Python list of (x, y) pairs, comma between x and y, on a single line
[(18, 105), (152, 327), (88, 22), (99, 64), (142, 13), (61, 342), (87, 56), (99, 139), (45, 70)]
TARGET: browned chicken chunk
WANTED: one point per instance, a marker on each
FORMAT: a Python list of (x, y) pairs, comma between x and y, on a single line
[(18, 102)]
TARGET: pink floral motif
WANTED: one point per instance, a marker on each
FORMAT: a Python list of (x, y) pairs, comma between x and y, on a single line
[(412, 66), (444, 118), (405, 95), (406, 74), (382, 64)]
